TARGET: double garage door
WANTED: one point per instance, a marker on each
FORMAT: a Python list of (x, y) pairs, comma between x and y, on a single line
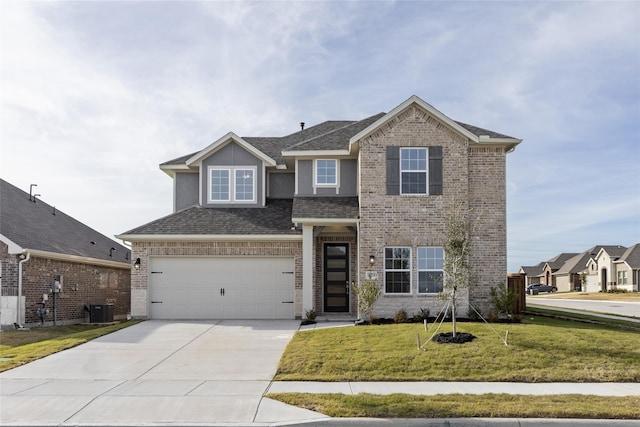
[(221, 288)]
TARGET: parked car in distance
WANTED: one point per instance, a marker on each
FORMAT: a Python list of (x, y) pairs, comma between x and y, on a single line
[(536, 288)]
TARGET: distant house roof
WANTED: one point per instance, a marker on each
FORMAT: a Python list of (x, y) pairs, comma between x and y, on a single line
[(338, 208), (558, 261), (533, 270), (575, 264), (27, 225), (273, 219), (632, 256)]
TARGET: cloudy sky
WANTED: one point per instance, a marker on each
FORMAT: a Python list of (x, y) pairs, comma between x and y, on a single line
[(96, 94)]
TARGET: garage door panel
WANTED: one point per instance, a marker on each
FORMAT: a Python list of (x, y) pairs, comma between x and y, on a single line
[(221, 287)]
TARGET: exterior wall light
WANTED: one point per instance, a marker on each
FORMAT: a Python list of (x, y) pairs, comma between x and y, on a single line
[(136, 264), (372, 259)]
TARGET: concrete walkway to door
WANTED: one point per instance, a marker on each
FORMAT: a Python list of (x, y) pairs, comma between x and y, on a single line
[(156, 372)]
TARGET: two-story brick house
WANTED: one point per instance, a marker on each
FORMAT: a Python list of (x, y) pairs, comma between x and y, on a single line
[(273, 227)]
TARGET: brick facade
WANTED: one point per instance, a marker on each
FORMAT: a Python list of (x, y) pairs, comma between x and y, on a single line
[(144, 250), (83, 285), (473, 176)]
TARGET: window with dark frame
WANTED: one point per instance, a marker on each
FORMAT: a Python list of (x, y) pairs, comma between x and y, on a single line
[(430, 270), (413, 171), (397, 270)]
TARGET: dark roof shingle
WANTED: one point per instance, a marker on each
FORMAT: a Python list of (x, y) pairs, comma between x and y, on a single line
[(274, 218), (326, 207), (34, 226)]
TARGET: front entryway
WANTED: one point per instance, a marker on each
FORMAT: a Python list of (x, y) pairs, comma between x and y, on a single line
[(336, 277)]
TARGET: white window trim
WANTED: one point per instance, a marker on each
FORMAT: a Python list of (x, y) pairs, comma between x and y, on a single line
[(315, 174), (384, 270), (428, 269), (426, 171), (232, 184)]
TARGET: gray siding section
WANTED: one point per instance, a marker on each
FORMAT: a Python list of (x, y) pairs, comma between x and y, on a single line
[(348, 180), (349, 177), (231, 155), (281, 185), (305, 177), (186, 190)]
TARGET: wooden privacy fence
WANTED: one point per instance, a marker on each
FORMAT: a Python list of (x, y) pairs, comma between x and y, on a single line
[(515, 283)]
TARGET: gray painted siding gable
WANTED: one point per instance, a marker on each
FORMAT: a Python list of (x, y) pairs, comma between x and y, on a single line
[(231, 154), (348, 180), (186, 190), (281, 185)]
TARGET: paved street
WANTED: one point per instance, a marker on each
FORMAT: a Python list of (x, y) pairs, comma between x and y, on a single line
[(609, 307)]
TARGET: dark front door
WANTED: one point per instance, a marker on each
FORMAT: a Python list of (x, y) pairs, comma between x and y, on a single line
[(336, 277)]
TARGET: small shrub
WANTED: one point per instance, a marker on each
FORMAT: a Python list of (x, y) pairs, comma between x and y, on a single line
[(474, 315), (310, 316), (422, 315), (617, 291), (401, 316)]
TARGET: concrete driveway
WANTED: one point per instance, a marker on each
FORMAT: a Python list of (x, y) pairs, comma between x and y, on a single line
[(620, 308), (156, 372)]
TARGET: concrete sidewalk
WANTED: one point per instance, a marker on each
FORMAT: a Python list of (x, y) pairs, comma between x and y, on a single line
[(432, 388)]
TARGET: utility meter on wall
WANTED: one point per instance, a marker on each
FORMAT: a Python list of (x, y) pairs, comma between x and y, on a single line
[(57, 283)]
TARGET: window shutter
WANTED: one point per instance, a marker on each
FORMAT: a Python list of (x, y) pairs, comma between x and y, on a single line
[(435, 170), (393, 170)]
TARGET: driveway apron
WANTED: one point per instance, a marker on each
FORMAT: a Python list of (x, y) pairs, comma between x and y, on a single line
[(156, 372)]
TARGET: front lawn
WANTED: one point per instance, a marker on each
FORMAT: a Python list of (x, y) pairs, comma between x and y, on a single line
[(466, 406), (540, 350), (18, 347)]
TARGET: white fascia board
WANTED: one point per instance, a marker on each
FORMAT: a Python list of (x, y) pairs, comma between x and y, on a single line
[(13, 247), (229, 137), (281, 167), (325, 221), (171, 169), (400, 108), (78, 259), (509, 143), (316, 153), (208, 237)]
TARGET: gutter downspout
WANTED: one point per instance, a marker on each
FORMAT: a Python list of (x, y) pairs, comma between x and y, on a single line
[(22, 261)]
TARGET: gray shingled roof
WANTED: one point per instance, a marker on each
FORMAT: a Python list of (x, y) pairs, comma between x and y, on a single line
[(336, 139), (575, 264), (34, 226), (326, 207), (632, 256), (480, 131), (274, 218), (558, 261), (329, 135), (533, 270), (615, 251)]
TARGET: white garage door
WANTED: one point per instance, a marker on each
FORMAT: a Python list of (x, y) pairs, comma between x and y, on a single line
[(221, 288)]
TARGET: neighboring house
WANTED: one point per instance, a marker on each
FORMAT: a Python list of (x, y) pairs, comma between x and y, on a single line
[(40, 245), (554, 264), (602, 268), (532, 273), (627, 269), (607, 267), (274, 227)]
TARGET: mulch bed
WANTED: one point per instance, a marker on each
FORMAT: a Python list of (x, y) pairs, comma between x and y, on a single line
[(447, 338)]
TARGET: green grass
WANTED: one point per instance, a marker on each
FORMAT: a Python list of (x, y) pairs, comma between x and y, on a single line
[(466, 405), (18, 347), (540, 350)]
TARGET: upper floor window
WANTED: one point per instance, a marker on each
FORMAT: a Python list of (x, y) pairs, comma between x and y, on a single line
[(232, 184), (413, 171), (430, 270), (326, 172), (397, 270)]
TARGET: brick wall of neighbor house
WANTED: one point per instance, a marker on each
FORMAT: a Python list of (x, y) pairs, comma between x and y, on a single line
[(487, 201), (9, 272), (83, 284), (318, 282), (143, 250), (469, 176)]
